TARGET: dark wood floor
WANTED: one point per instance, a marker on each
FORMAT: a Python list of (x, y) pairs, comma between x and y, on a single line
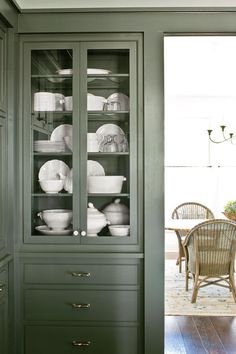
[(197, 335)]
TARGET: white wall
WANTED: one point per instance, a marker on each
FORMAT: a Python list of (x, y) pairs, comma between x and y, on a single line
[(200, 94)]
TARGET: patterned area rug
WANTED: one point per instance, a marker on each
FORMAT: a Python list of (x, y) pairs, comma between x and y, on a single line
[(211, 300)]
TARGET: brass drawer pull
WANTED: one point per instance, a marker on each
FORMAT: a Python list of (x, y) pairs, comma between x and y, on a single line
[(81, 274), (81, 306), (81, 343)]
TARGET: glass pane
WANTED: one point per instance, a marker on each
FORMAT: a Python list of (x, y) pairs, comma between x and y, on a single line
[(51, 87), (108, 139)]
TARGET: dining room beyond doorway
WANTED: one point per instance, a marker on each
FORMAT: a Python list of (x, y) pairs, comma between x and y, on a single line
[(200, 95)]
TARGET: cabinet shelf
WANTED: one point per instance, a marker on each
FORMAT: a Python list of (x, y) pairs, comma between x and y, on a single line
[(56, 195), (52, 153), (108, 115), (108, 153), (108, 194)]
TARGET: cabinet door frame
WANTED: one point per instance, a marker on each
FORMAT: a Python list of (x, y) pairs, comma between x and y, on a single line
[(3, 71), (27, 134), (3, 184), (81, 42)]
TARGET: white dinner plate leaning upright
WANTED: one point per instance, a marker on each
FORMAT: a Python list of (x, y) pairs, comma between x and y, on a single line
[(108, 129), (94, 168), (52, 169), (60, 132)]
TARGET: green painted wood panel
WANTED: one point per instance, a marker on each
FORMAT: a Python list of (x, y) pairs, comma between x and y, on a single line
[(81, 274), (58, 339), (3, 70), (4, 312), (61, 305), (3, 184)]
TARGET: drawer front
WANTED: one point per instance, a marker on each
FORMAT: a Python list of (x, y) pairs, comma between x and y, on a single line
[(3, 283), (89, 340), (81, 274), (80, 305)]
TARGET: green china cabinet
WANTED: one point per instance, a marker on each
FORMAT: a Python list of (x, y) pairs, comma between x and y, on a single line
[(82, 194)]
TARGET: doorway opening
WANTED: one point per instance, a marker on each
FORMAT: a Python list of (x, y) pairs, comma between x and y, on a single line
[(200, 95)]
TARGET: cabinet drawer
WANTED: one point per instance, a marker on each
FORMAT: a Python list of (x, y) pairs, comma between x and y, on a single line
[(123, 274), (81, 305), (3, 282), (99, 340)]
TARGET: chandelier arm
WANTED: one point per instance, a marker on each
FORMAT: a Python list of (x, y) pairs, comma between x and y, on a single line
[(219, 141)]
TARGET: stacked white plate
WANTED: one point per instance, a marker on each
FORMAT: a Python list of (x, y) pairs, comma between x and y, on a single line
[(49, 146)]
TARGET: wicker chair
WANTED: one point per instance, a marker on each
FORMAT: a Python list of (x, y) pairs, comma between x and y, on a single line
[(210, 253), (188, 210)]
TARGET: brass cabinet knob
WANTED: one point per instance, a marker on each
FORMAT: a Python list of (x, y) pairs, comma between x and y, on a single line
[(75, 233), (1, 287), (83, 233)]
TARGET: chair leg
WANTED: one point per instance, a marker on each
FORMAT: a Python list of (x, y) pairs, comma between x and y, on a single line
[(195, 290), (232, 286)]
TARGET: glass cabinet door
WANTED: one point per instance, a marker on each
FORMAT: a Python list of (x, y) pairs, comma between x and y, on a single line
[(111, 111), (82, 161), (51, 158)]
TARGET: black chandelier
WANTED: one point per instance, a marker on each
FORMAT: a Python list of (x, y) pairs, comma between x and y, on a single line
[(230, 137)]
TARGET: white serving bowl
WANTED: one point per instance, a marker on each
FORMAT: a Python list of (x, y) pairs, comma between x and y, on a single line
[(105, 184), (95, 103), (56, 219), (92, 142), (96, 221), (51, 186), (117, 213), (119, 230)]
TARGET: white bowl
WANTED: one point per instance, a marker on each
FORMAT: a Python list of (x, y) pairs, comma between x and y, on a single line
[(95, 103), (105, 184), (92, 142), (119, 230), (56, 219), (51, 186)]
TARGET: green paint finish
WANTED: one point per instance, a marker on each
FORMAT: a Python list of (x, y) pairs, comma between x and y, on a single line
[(59, 339), (81, 274), (4, 311)]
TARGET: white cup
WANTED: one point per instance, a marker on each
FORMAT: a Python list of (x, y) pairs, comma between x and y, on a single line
[(59, 98), (68, 103), (44, 101), (92, 142)]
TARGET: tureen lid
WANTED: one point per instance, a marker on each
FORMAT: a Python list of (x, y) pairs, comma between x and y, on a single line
[(116, 206), (93, 212)]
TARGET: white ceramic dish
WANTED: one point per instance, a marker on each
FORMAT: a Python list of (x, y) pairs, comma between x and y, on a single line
[(119, 230), (49, 146), (105, 184), (65, 72), (96, 220), (68, 141), (114, 130), (44, 101), (92, 142), (50, 170), (118, 101), (57, 219), (45, 230), (95, 103), (61, 131), (117, 213), (93, 71), (94, 168), (51, 186)]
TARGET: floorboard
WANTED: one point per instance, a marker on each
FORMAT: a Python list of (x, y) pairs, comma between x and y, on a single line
[(200, 335)]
